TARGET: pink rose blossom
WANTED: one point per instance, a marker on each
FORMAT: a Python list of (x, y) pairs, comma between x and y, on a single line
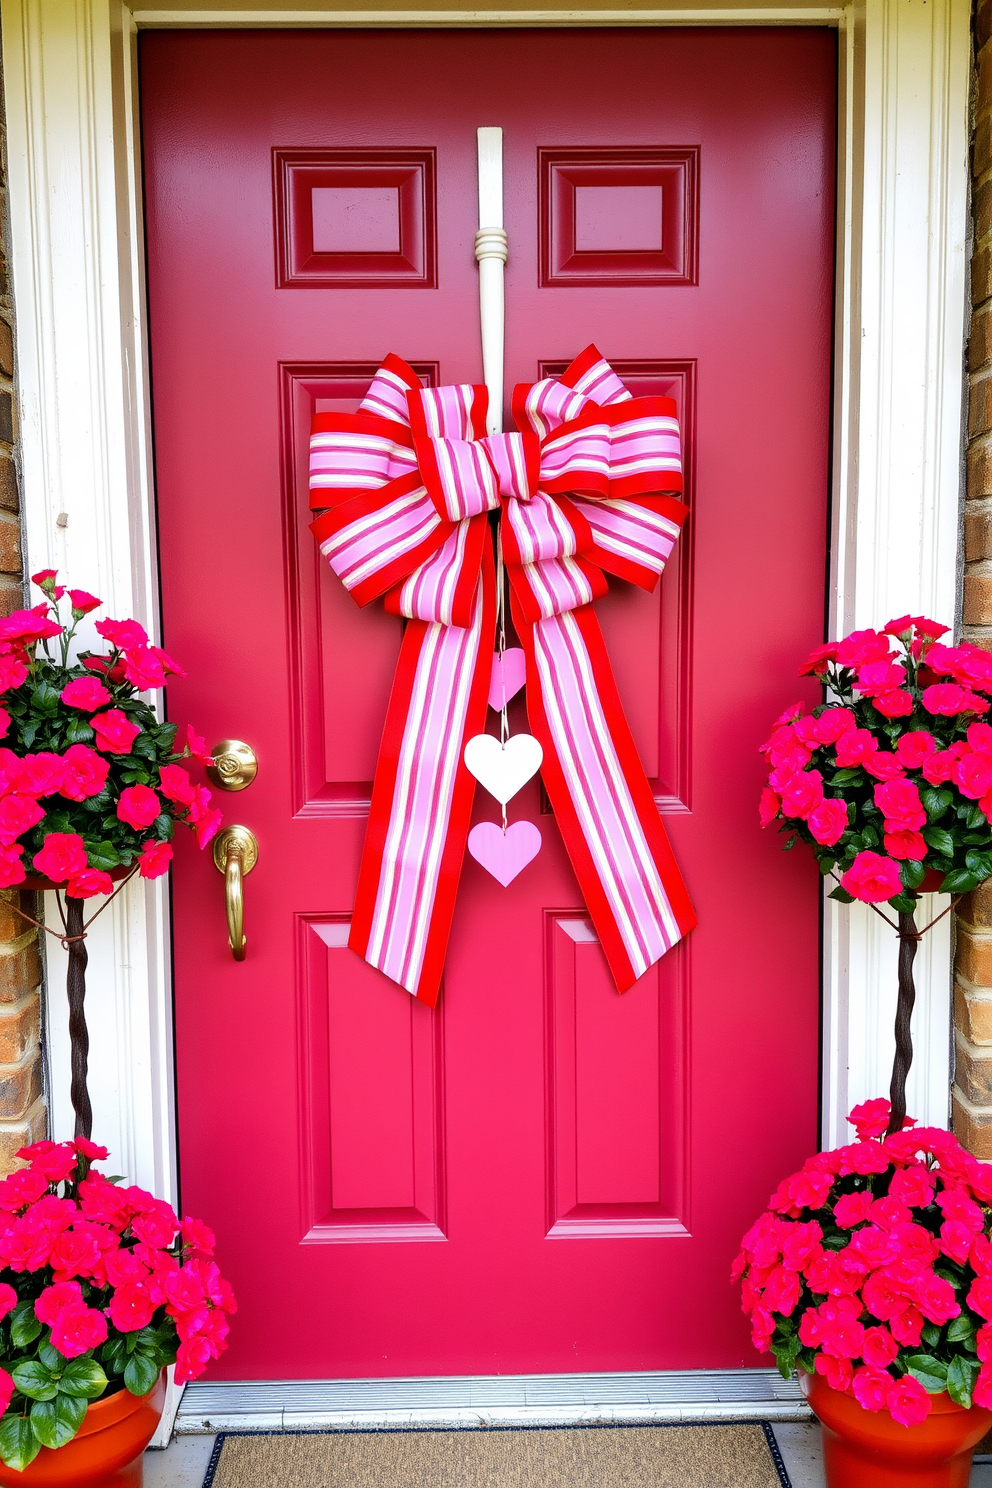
[(828, 821), (89, 883), (62, 856), (155, 859), (139, 805), (871, 1387), (18, 814), (85, 693), (872, 878), (908, 1402), (85, 773), (76, 1330), (115, 733)]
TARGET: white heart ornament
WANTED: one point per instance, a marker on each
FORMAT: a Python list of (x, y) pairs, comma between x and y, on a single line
[(504, 854), (503, 768)]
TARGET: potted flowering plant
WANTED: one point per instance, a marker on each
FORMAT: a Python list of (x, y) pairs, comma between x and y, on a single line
[(101, 1287), (889, 781), (91, 782), (871, 1272)]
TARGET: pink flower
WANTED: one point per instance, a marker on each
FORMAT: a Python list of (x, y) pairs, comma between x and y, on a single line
[(18, 814), (900, 804), (768, 805), (82, 603), (138, 806), (828, 821), (175, 785), (192, 1359), (908, 1402), (115, 733), (872, 878), (880, 1348), (903, 845), (122, 634), (85, 693), (12, 672), (54, 1161), (143, 669), (871, 1118), (55, 1299), (913, 749), (85, 773), (871, 1387), (837, 1372), (802, 794), (155, 859), (132, 1306), (207, 828), (89, 883), (855, 747), (948, 699), (852, 1209), (40, 774), (76, 1330), (11, 868), (895, 704), (196, 746), (62, 856)]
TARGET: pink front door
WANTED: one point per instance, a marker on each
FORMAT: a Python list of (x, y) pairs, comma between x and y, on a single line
[(539, 1175)]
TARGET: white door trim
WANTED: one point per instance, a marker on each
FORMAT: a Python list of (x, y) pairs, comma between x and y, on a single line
[(75, 203)]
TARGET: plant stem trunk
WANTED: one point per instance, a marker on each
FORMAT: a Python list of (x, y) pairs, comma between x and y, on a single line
[(908, 941), (78, 1033)]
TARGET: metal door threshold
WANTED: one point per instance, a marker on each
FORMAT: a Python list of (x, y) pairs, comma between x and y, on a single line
[(492, 1400)]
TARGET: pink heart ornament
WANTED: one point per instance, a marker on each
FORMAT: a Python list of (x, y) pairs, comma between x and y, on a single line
[(504, 854), (509, 675)]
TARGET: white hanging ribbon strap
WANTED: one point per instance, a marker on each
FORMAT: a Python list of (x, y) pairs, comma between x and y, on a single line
[(490, 253)]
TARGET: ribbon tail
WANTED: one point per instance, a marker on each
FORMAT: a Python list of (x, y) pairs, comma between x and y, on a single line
[(601, 798), (422, 796)]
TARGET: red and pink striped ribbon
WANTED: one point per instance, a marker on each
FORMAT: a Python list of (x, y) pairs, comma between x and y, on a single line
[(587, 485)]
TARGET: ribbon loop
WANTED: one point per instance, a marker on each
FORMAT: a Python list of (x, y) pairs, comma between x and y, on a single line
[(586, 486)]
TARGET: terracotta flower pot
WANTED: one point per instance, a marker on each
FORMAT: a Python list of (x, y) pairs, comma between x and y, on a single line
[(868, 1449), (107, 1450)]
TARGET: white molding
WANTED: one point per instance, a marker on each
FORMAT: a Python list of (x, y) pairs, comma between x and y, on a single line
[(76, 256), (76, 259), (898, 458)]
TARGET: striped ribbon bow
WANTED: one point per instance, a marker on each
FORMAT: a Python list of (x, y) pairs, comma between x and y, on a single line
[(584, 487)]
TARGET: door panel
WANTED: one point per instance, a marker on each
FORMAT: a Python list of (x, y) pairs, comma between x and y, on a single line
[(539, 1175)]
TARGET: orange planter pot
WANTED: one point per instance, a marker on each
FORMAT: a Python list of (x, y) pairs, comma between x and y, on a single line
[(867, 1449), (107, 1450)]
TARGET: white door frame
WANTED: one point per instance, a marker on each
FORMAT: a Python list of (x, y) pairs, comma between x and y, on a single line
[(77, 264)]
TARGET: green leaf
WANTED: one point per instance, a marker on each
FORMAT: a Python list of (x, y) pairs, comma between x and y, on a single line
[(18, 1443), (841, 894), (935, 802), (54, 1422), (961, 1376), (24, 1326), (940, 840), (34, 1379), (83, 1377), (961, 1329), (931, 1373), (141, 1374)]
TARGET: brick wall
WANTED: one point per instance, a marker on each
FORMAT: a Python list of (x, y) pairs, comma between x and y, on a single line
[(22, 1108)]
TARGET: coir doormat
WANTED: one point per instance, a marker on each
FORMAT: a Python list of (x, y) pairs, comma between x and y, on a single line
[(742, 1455)]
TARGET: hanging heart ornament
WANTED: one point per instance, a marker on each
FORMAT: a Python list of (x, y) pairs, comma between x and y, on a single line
[(503, 768), (509, 675), (504, 854)]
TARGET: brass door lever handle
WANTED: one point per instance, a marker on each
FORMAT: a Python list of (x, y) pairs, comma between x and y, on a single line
[(235, 854)]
